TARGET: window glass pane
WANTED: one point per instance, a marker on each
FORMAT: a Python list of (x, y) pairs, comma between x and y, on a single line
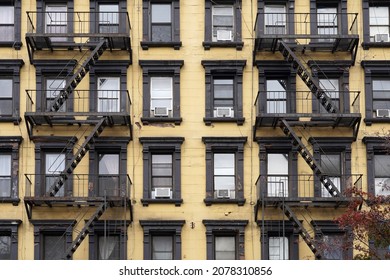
[(162, 248), (161, 13), (108, 14), (162, 165), (333, 246), (223, 88), (277, 164), (331, 164), (379, 16), (6, 88), (5, 247), (108, 94), (275, 9), (53, 87), (53, 247), (276, 85), (5, 175), (224, 164), (161, 33), (225, 248), (382, 165), (329, 84), (224, 183), (327, 16), (55, 163), (108, 248), (109, 164), (56, 15), (108, 83), (275, 19), (278, 248), (161, 92)]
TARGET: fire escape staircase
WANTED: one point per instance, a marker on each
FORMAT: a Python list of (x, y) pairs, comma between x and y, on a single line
[(86, 229)]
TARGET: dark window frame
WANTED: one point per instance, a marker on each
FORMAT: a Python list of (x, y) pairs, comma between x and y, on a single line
[(55, 227), (94, 8), (366, 4), (162, 227), (9, 227), (161, 68), (16, 43), (225, 228), (166, 145), (232, 69), (147, 42), (237, 42), (233, 145)]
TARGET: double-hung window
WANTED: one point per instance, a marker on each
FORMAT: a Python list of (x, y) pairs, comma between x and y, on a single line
[(54, 165), (7, 23), (223, 97), (382, 174), (5, 175), (161, 22), (225, 247), (327, 22), (108, 247), (6, 94), (108, 94), (278, 248), (276, 96), (331, 165), (9, 239), (108, 174), (332, 90), (162, 247), (381, 98), (5, 246), (108, 18), (379, 23), (162, 176), (223, 23), (56, 20), (277, 174), (53, 246), (53, 88), (161, 96), (224, 175), (275, 19)]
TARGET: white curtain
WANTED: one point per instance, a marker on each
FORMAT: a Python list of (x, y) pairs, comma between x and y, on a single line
[(106, 246)]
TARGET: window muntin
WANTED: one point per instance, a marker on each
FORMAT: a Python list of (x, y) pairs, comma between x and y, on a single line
[(5, 175), (56, 21), (108, 175), (162, 247), (225, 247), (277, 171), (162, 174), (6, 93), (108, 247), (380, 96), (379, 24), (276, 96), (161, 22), (278, 248), (223, 23), (331, 165), (161, 95), (108, 18), (54, 165), (223, 97), (108, 94), (5, 246), (7, 25), (332, 89), (53, 246), (382, 174), (224, 175), (53, 88), (327, 22), (275, 19)]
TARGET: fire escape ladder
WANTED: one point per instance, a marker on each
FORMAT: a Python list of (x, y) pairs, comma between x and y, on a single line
[(312, 84), (93, 57), (308, 157), (86, 229), (81, 152), (301, 230)]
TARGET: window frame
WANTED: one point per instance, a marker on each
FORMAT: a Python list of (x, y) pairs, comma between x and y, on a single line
[(234, 228), (9, 227), (147, 42), (16, 43), (232, 145), (162, 227), (224, 69), (237, 42), (95, 13), (161, 68), (161, 145), (366, 4)]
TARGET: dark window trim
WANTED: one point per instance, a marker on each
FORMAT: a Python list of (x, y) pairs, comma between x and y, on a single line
[(225, 227), (11, 145), (366, 44), (338, 69), (94, 8), (117, 227), (11, 69), (227, 68), (17, 42), (273, 228), (46, 144), (279, 145), (162, 227), (331, 227), (169, 68), (10, 227), (147, 42), (237, 43), (51, 226), (109, 68), (225, 144), (162, 144)]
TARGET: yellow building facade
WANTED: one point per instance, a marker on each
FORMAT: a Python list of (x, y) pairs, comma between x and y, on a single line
[(193, 130)]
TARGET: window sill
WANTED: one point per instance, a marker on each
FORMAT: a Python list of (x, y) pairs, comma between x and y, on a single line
[(14, 201), (367, 45), (370, 121), (209, 120), (149, 44), (147, 201), (238, 201), (15, 120), (150, 120), (208, 45), (16, 45)]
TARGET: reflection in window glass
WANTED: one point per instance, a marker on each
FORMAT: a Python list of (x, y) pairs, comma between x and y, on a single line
[(161, 23), (162, 247), (225, 248)]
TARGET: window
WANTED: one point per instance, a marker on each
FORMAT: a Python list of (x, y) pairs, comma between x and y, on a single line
[(382, 174), (6, 103), (108, 18), (162, 170), (223, 24), (225, 239), (277, 167), (53, 88), (327, 21), (161, 24), (224, 170), (161, 91), (9, 239), (381, 98), (276, 96), (331, 165), (162, 239), (332, 89), (275, 19), (10, 24), (278, 248), (54, 165), (224, 91), (376, 25), (108, 94), (5, 175), (56, 21), (52, 238), (108, 175)]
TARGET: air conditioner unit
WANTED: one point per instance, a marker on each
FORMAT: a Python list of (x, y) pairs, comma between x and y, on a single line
[(162, 193), (224, 35), (160, 111), (383, 113), (224, 112), (223, 193), (381, 37)]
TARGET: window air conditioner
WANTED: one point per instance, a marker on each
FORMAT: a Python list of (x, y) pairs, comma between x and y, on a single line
[(383, 113), (162, 193), (224, 112), (223, 193), (381, 37), (224, 35), (160, 111)]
